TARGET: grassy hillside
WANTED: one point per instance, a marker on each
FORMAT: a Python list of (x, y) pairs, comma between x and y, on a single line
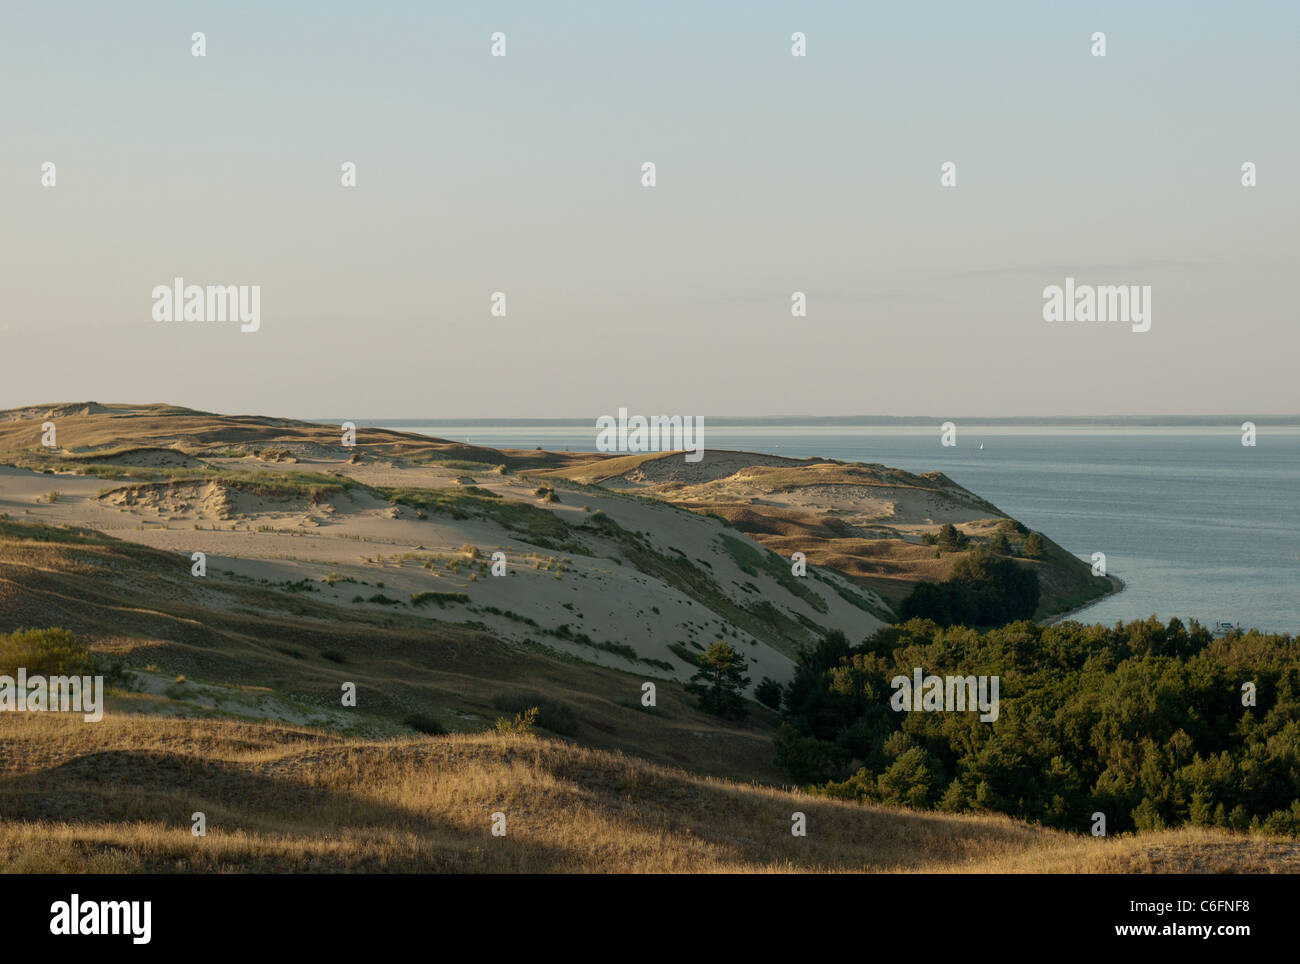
[(119, 797)]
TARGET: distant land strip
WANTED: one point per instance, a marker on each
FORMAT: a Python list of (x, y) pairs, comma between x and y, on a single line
[(1100, 421)]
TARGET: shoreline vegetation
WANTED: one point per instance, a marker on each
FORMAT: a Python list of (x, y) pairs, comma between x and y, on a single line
[(1118, 585), (233, 573)]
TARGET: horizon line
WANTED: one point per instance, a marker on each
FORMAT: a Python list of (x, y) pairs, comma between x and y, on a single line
[(1154, 420)]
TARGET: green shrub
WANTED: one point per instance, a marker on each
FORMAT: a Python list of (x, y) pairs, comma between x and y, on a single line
[(554, 715), (439, 599), (684, 654), (951, 538), (46, 652), (1034, 547), (522, 723)]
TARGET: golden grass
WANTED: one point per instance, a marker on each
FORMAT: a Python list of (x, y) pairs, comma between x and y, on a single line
[(93, 430), (118, 796)]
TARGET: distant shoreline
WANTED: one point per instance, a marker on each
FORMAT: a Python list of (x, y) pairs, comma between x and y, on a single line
[(1117, 586), (1232, 422)]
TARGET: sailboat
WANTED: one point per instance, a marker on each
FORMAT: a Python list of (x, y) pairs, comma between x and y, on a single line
[(981, 446)]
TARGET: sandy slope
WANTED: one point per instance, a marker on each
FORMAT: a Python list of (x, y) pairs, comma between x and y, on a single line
[(671, 574), (356, 536)]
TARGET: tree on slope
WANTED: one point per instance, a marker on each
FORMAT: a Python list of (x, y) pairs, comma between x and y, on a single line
[(720, 681)]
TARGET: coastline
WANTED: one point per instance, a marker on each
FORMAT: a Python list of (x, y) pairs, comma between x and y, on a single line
[(1116, 582)]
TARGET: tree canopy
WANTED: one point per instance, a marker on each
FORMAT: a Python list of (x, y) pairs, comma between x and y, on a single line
[(984, 589), (1147, 722), (720, 681)]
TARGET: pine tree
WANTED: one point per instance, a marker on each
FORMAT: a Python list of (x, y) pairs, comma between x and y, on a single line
[(950, 537), (720, 681)]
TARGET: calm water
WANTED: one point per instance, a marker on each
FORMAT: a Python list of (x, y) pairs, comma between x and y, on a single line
[(1196, 524)]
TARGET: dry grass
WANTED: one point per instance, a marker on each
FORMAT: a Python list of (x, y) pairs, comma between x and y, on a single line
[(89, 430), (118, 796), (135, 604)]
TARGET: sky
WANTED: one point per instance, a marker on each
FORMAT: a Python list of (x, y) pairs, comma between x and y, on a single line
[(775, 174)]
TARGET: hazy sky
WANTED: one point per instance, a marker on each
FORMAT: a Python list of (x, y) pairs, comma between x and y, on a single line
[(776, 174)]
